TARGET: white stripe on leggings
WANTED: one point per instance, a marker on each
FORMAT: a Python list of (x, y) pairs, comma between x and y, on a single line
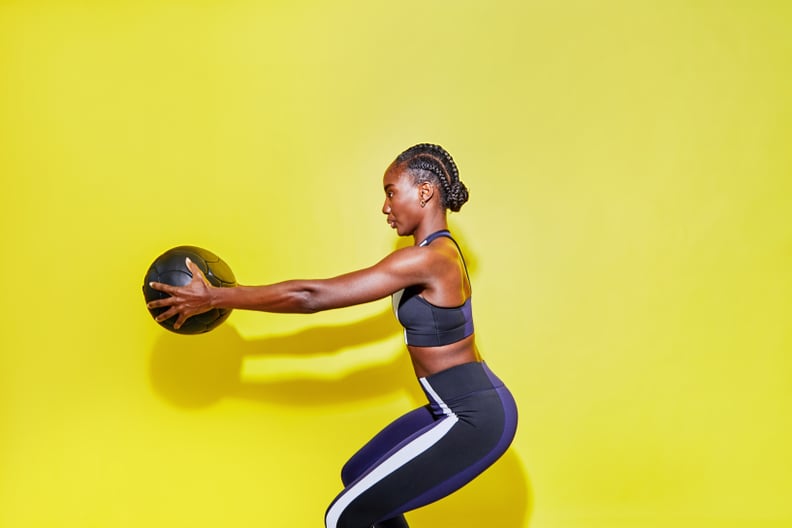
[(395, 461)]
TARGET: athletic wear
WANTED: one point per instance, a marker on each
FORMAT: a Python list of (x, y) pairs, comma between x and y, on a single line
[(426, 454), (425, 324), (430, 452)]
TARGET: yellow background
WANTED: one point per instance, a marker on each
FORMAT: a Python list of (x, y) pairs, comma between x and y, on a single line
[(629, 232)]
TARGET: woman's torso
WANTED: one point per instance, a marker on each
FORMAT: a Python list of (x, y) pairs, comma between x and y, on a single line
[(437, 317)]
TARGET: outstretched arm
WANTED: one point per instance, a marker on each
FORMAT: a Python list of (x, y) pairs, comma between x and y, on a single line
[(402, 268)]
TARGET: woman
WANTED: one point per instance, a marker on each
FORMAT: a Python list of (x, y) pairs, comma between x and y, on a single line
[(470, 419)]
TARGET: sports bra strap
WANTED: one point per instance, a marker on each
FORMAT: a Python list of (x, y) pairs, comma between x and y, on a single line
[(446, 233)]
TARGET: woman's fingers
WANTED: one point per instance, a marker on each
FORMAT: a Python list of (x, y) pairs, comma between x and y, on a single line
[(167, 314), (183, 301), (171, 312), (159, 303), (197, 274), (161, 286), (180, 321)]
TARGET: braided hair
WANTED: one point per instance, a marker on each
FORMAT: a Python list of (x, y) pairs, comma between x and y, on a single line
[(432, 163)]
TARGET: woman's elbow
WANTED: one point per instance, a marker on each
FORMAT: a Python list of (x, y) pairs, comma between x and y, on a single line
[(311, 298), (308, 302)]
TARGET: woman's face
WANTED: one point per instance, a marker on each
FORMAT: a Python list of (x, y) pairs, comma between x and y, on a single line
[(402, 201)]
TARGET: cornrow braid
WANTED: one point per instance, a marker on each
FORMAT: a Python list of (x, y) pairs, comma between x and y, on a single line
[(433, 163)]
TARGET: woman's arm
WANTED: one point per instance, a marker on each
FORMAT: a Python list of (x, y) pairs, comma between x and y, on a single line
[(402, 268)]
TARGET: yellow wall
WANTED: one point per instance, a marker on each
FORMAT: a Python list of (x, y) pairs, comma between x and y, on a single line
[(630, 232)]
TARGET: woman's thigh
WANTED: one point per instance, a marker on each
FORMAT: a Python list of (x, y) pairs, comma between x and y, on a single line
[(386, 440)]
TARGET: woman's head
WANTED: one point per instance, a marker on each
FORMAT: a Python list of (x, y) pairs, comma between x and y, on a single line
[(430, 163)]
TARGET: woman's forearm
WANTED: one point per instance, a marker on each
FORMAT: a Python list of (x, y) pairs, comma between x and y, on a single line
[(294, 296)]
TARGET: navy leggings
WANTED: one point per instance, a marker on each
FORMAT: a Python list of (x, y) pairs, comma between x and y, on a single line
[(429, 452)]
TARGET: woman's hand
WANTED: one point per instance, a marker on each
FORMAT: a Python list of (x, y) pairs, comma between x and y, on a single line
[(185, 301)]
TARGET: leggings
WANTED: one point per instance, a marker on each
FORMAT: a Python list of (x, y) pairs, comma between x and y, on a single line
[(428, 453)]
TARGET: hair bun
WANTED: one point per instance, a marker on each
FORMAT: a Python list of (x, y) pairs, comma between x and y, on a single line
[(457, 196)]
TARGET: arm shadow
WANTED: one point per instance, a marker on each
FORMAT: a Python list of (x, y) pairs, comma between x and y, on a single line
[(197, 371)]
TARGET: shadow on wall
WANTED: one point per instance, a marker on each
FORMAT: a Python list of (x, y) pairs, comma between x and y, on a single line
[(197, 371)]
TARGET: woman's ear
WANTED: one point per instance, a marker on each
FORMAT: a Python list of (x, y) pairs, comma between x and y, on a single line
[(425, 192)]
